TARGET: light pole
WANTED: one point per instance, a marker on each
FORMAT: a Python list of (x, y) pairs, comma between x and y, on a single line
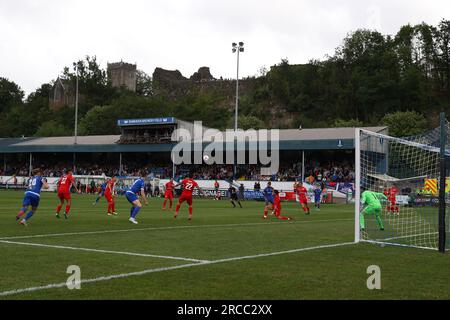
[(76, 106), (236, 48)]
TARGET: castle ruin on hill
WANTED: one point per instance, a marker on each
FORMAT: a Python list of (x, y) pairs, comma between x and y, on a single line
[(122, 75), (173, 84), (170, 83)]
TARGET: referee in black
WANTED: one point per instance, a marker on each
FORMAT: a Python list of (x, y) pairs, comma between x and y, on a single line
[(234, 196)]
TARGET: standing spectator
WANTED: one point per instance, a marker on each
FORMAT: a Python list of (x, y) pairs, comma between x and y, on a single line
[(217, 195), (310, 179)]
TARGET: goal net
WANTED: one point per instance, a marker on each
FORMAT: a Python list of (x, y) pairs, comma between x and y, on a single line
[(397, 191)]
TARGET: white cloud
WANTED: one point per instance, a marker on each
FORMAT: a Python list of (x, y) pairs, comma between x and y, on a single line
[(40, 38)]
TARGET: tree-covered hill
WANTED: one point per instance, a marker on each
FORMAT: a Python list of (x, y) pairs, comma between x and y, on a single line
[(401, 80)]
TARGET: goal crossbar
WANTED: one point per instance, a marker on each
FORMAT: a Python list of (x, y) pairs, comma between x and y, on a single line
[(388, 178)]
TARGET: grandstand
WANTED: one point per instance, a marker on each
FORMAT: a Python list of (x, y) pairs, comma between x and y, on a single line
[(324, 155), (152, 138)]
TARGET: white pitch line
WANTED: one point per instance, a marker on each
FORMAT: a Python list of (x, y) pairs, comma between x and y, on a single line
[(407, 236), (397, 244), (102, 251), (148, 271), (281, 252), (228, 225), (104, 278)]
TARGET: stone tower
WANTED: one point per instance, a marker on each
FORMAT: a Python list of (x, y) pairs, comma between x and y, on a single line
[(122, 74)]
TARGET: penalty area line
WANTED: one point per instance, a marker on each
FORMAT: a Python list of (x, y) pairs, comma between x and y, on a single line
[(183, 266), (228, 225), (102, 251)]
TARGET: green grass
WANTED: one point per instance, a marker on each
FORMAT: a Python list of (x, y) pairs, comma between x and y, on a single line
[(217, 232)]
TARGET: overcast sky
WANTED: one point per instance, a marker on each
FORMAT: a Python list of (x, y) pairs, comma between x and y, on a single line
[(39, 38)]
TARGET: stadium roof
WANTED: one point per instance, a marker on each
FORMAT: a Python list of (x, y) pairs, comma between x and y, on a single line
[(323, 134), (290, 139)]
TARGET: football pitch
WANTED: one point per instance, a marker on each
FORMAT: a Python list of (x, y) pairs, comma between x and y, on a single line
[(223, 253)]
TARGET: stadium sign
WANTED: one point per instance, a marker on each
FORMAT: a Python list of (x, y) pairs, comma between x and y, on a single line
[(141, 122), (254, 195), (208, 192)]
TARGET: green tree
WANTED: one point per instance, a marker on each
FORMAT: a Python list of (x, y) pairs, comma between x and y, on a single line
[(10, 95), (144, 85), (18, 122), (352, 123), (39, 98), (52, 128), (98, 121), (247, 122), (403, 124), (103, 119), (94, 87), (278, 81)]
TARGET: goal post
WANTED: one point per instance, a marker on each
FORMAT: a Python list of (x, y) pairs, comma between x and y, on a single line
[(357, 183), (442, 184), (403, 185)]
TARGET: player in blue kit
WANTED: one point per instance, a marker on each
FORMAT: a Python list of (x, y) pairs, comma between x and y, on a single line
[(101, 193), (317, 196), (32, 196), (268, 196), (132, 195)]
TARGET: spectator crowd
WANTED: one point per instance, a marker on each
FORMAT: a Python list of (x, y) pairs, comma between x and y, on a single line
[(314, 172)]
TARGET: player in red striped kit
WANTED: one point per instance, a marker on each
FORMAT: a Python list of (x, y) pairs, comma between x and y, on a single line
[(277, 206), (188, 185), (168, 194), (303, 199), (109, 196), (64, 185), (391, 194)]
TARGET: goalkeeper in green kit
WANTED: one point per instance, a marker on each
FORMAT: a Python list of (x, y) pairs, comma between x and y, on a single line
[(373, 206)]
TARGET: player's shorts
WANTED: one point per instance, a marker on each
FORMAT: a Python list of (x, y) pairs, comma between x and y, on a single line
[(303, 200), (31, 199), (109, 197), (234, 197), (64, 195), (372, 210), (269, 201), (102, 193), (131, 196), (168, 194), (393, 201), (184, 198), (317, 199), (277, 211)]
